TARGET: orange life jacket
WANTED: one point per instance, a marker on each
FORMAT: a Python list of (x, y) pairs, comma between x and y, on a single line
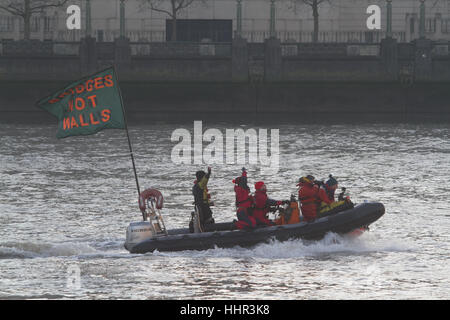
[(290, 218)]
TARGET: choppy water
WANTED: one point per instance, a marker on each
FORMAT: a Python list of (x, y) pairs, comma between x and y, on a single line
[(65, 204)]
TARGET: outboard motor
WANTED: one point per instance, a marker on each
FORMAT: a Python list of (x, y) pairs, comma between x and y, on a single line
[(150, 203)]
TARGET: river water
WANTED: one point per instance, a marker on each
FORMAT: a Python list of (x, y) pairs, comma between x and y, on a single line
[(65, 205)]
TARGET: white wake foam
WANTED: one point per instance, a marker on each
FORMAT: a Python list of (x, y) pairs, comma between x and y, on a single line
[(23, 250), (330, 244)]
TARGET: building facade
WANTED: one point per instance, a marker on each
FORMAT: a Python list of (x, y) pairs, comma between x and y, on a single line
[(216, 21)]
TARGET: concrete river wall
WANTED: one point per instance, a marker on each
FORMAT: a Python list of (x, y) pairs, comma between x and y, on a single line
[(239, 80)]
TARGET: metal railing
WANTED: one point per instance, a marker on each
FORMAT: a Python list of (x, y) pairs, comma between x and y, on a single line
[(440, 49), (313, 49), (254, 36), (256, 50), (39, 48), (178, 49), (324, 36)]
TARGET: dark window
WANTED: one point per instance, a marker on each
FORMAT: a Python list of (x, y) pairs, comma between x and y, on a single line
[(47, 24), (411, 25), (197, 30), (100, 35), (6, 23), (431, 25), (35, 24)]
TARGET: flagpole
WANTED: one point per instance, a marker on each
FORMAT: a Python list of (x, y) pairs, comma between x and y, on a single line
[(128, 136)]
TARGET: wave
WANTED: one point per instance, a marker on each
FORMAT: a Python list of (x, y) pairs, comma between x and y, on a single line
[(29, 250), (331, 244)]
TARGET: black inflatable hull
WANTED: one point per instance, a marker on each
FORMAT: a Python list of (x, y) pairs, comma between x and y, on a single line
[(343, 222)]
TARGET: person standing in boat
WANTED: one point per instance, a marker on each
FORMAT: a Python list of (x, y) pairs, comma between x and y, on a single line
[(310, 196), (202, 197), (263, 204), (328, 189), (244, 202)]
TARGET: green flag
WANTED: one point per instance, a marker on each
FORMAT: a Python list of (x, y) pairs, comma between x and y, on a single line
[(87, 106)]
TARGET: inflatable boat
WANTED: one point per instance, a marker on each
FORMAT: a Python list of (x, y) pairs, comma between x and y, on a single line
[(150, 235)]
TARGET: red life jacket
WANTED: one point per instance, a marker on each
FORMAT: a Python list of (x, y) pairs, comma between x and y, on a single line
[(243, 197), (261, 201), (261, 208), (308, 200), (244, 201), (329, 192), (324, 196)]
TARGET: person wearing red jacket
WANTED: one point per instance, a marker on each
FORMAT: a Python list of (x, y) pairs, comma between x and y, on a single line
[(262, 205), (310, 196), (244, 203), (329, 188)]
